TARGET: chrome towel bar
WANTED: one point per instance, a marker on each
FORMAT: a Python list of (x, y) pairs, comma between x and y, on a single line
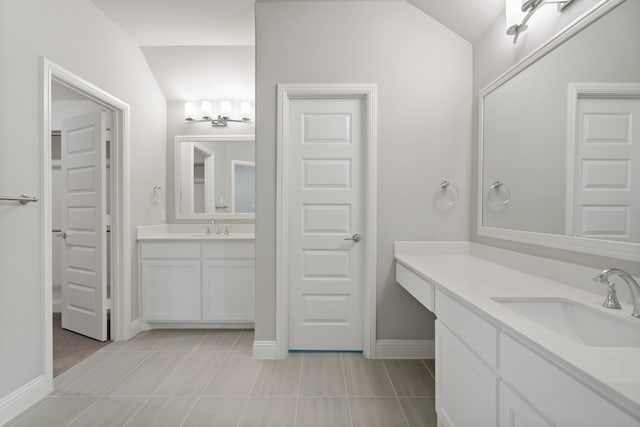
[(23, 199)]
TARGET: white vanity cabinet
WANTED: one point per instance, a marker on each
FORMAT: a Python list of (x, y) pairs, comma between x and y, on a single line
[(197, 281), (555, 395), (484, 376), (486, 373), (516, 412), (170, 281), (228, 277), (466, 389), (467, 384)]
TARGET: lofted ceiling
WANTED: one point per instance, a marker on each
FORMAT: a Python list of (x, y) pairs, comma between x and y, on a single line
[(203, 72), (204, 49), (231, 22), (183, 22)]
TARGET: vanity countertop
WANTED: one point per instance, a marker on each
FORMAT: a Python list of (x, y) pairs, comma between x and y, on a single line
[(614, 371), (195, 232), (198, 236)]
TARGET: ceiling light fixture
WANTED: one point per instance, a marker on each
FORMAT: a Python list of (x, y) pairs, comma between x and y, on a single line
[(516, 8), (219, 120)]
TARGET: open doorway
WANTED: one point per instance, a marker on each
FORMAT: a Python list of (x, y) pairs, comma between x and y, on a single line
[(86, 227), (81, 264)]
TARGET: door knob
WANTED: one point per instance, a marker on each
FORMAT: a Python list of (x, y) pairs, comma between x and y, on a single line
[(356, 238), (62, 234)]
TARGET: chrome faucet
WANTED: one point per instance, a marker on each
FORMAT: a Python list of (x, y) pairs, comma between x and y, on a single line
[(612, 298), (217, 226)]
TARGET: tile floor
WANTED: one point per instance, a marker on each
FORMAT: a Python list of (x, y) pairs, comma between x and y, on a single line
[(207, 378)]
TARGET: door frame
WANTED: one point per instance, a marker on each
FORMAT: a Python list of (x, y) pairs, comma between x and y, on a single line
[(120, 215), (576, 91), (368, 94)]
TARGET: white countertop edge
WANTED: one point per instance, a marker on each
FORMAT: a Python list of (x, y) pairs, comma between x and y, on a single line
[(536, 337), (198, 238), (143, 231), (244, 232)]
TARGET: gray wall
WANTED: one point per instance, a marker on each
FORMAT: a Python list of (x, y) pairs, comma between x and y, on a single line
[(77, 36), (494, 54), (423, 73)]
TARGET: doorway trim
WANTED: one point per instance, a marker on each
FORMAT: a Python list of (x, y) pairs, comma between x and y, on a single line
[(368, 93), (120, 215), (577, 91)]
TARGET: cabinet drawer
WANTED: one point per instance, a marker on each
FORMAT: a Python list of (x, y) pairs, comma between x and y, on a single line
[(474, 331), (421, 289), (560, 398), (169, 250), (229, 249)]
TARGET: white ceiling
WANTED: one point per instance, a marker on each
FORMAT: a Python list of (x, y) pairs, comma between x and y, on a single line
[(192, 73), (184, 22), (469, 18), (231, 22), (203, 49)]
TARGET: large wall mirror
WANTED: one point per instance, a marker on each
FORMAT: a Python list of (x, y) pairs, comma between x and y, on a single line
[(560, 140), (215, 177)]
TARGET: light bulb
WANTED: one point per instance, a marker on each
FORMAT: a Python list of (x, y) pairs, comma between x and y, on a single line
[(206, 109), (189, 110), (245, 110), (225, 108)]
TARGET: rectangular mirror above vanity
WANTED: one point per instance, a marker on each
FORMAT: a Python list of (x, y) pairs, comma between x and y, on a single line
[(559, 141), (214, 177)]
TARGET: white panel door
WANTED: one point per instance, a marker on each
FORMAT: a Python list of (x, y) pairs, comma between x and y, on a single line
[(325, 270), (607, 169), (84, 273)]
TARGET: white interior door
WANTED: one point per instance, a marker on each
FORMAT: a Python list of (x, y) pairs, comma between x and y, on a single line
[(607, 169), (325, 270), (84, 272)]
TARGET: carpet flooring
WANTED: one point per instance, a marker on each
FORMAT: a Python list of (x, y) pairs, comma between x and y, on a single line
[(70, 348)]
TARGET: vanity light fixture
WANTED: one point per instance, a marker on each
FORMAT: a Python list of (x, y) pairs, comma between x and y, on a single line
[(222, 119), (518, 13)]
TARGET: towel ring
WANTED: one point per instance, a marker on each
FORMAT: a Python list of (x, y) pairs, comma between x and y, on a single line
[(448, 188), (496, 188), (156, 194)]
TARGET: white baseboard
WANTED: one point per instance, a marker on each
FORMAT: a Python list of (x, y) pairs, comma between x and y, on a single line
[(405, 349), (137, 326), (22, 398), (56, 306), (265, 350)]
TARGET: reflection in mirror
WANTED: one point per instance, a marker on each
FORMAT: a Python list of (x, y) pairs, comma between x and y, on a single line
[(215, 177), (562, 137), (243, 186), (203, 189)]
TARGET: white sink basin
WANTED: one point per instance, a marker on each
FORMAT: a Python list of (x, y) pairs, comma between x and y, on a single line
[(578, 322)]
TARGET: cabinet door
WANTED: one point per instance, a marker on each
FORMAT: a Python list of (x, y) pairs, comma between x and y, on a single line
[(466, 389), (228, 290), (170, 290), (515, 412), (554, 393)]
